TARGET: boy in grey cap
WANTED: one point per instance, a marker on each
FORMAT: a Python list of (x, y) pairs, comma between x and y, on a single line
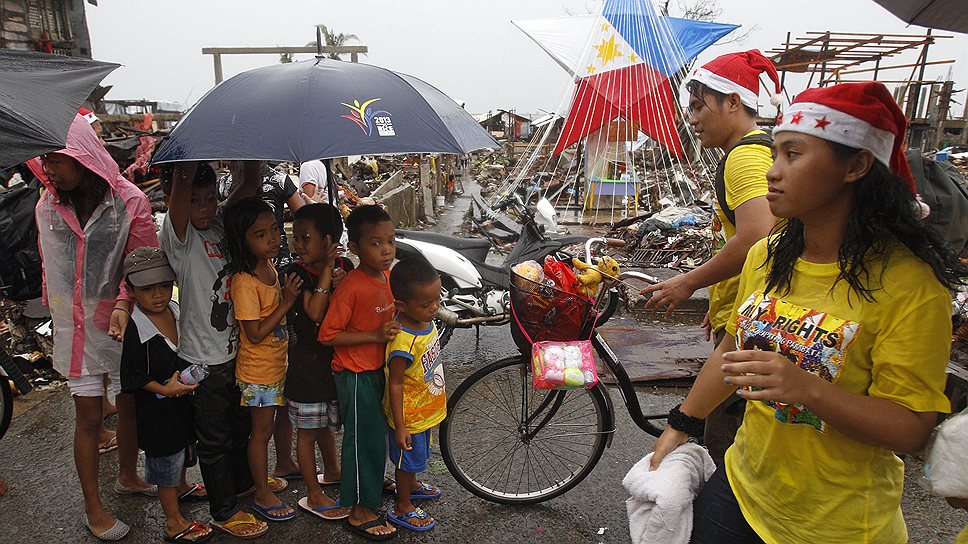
[(150, 371)]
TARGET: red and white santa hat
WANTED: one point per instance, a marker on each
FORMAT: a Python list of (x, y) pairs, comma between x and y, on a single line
[(88, 115), (858, 115), (739, 73)]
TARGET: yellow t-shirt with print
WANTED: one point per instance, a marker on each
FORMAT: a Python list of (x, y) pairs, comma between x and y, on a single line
[(424, 402), (796, 478), (264, 363), (745, 177)]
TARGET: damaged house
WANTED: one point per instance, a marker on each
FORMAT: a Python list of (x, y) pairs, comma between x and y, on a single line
[(53, 26)]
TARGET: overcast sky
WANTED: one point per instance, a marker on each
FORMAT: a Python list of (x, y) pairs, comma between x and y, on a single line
[(468, 49)]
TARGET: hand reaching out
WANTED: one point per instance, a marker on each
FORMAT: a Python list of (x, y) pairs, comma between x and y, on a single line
[(669, 294)]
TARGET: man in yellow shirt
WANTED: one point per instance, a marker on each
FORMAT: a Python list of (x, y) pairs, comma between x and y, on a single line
[(722, 111)]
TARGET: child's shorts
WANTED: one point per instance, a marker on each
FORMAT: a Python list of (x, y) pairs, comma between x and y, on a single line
[(256, 395), (93, 385), (167, 471), (314, 415), (415, 460)]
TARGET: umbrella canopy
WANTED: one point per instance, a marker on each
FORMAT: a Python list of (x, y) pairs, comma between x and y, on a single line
[(943, 14), (318, 109), (39, 97)]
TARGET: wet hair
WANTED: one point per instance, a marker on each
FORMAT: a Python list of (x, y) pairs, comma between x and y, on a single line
[(362, 217), (325, 219), (700, 90), (883, 217), (238, 218), (204, 176), (409, 274)]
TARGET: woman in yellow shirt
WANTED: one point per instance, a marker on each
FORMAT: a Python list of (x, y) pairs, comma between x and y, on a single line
[(839, 337)]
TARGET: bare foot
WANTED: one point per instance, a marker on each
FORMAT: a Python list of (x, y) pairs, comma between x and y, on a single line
[(273, 507)]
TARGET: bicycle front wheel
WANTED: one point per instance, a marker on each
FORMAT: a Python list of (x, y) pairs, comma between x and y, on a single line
[(508, 443)]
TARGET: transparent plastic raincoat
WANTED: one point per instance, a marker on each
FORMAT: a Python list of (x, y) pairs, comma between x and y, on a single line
[(83, 276)]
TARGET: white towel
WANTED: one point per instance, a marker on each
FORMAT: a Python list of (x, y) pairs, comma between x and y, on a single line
[(660, 508)]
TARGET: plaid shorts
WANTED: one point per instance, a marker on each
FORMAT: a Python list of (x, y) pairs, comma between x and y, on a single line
[(314, 415)]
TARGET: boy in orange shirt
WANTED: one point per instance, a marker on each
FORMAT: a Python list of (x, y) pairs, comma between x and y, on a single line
[(358, 325)]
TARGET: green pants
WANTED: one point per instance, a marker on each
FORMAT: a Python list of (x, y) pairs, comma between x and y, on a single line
[(364, 451)]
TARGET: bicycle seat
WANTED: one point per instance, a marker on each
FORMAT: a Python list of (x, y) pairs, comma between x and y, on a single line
[(475, 249)]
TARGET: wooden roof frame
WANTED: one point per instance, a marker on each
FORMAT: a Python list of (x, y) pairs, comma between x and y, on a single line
[(832, 53)]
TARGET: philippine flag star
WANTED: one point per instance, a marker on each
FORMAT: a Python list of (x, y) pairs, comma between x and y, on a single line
[(622, 60)]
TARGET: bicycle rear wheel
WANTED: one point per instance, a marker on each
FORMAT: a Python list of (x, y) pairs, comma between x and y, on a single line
[(507, 443)]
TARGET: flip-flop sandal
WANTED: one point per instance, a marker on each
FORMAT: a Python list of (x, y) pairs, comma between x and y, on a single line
[(190, 494), (248, 520), (324, 481), (318, 512), (401, 520), (117, 531), (193, 527), (421, 492), (277, 484), (288, 476), (108, 446), (264, 511), (360, 530)]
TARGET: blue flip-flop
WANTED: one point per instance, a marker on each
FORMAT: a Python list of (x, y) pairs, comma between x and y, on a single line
[(264, 512), (419, 493), (401, 520)]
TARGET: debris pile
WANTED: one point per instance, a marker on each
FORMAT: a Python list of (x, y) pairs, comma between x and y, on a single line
[(676, 237)]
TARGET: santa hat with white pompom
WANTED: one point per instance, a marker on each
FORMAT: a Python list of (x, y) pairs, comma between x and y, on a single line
[(739, 73), (858, 115)]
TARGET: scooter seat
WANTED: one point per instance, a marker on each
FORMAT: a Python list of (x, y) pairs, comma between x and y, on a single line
[(475, 249)]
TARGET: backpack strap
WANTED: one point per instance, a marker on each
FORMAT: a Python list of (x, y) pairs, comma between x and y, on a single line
[(760, 138)]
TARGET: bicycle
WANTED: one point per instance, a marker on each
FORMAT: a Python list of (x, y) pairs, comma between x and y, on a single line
[(508, 443)]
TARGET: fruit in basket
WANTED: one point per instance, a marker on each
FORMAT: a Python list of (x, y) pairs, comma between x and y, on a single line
[(606, 271), (529, 270)]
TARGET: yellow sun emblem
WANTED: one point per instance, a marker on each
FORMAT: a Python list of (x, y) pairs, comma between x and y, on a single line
[(608, 50)]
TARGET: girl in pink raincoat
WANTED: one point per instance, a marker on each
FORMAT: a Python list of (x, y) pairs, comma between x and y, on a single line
[(89, 218)]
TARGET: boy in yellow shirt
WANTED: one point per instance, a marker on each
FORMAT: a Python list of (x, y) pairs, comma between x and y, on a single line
[(415, 400)]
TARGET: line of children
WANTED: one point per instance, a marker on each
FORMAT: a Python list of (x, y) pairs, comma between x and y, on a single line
[(357, 321)]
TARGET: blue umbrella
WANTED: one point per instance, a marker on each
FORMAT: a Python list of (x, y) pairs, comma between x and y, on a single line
[(322, 108)]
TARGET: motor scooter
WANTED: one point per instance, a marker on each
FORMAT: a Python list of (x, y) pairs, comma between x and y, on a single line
[(474, 293)]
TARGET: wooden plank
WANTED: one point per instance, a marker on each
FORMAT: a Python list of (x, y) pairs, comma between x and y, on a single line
[(284, 49), (651, 353)]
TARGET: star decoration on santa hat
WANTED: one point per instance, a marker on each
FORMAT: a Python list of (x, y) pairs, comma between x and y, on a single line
[(822, 123), (796, 118)]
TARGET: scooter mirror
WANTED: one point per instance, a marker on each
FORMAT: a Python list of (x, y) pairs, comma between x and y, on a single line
[(546, 215)]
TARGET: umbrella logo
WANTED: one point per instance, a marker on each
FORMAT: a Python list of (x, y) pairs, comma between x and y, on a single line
[(364, 116)]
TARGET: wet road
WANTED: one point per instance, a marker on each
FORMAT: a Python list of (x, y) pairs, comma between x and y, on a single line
[(44, 504)]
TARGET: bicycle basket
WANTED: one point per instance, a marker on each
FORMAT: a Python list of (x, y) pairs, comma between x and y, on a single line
[(548, 314)]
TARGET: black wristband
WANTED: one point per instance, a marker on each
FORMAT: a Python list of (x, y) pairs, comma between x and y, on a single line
[(692, 426)]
